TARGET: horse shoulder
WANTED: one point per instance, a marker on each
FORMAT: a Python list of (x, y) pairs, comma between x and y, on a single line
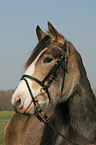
[(14, 130), (24, 129)]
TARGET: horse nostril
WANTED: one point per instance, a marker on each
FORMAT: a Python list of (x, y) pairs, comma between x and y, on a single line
[(18, 103)]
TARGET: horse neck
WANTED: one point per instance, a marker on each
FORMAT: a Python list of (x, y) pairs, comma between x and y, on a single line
[(82, 110), (78, 113)]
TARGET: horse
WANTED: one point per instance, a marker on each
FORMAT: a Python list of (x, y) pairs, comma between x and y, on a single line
[(56, 82)]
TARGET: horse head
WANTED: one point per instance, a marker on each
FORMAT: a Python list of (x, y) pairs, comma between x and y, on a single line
[(52, 73)]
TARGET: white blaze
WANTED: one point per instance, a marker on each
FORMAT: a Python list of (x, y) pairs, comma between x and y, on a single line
[(22, 90)]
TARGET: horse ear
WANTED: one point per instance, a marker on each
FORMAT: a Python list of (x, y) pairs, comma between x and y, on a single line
[(57, 37), (40, 33)]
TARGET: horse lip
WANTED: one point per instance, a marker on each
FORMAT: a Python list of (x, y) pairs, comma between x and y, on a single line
[(29, 110)]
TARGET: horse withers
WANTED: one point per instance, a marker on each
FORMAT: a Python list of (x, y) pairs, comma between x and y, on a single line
[(55, 81)]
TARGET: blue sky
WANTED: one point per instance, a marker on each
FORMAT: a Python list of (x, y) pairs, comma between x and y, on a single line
[(75, 19)]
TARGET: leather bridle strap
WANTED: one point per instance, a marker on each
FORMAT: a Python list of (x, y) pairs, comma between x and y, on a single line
[(41, 83), (30, 91)]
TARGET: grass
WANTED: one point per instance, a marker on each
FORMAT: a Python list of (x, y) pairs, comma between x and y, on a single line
[(5, 116)]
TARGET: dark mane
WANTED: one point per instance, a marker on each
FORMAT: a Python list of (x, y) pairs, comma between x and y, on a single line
[(40, 46)]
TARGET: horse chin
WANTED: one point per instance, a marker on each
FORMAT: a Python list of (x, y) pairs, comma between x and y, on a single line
[(28, 111)]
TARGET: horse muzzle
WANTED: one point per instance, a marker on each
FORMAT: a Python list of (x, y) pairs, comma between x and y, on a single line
[(26, 106), (19, 107)]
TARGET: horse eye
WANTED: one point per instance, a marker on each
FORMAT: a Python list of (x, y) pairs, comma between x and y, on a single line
[(47, 60)]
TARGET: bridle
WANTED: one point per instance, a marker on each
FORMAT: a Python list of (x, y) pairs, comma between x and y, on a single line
[(47, 81), (45, 85)]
